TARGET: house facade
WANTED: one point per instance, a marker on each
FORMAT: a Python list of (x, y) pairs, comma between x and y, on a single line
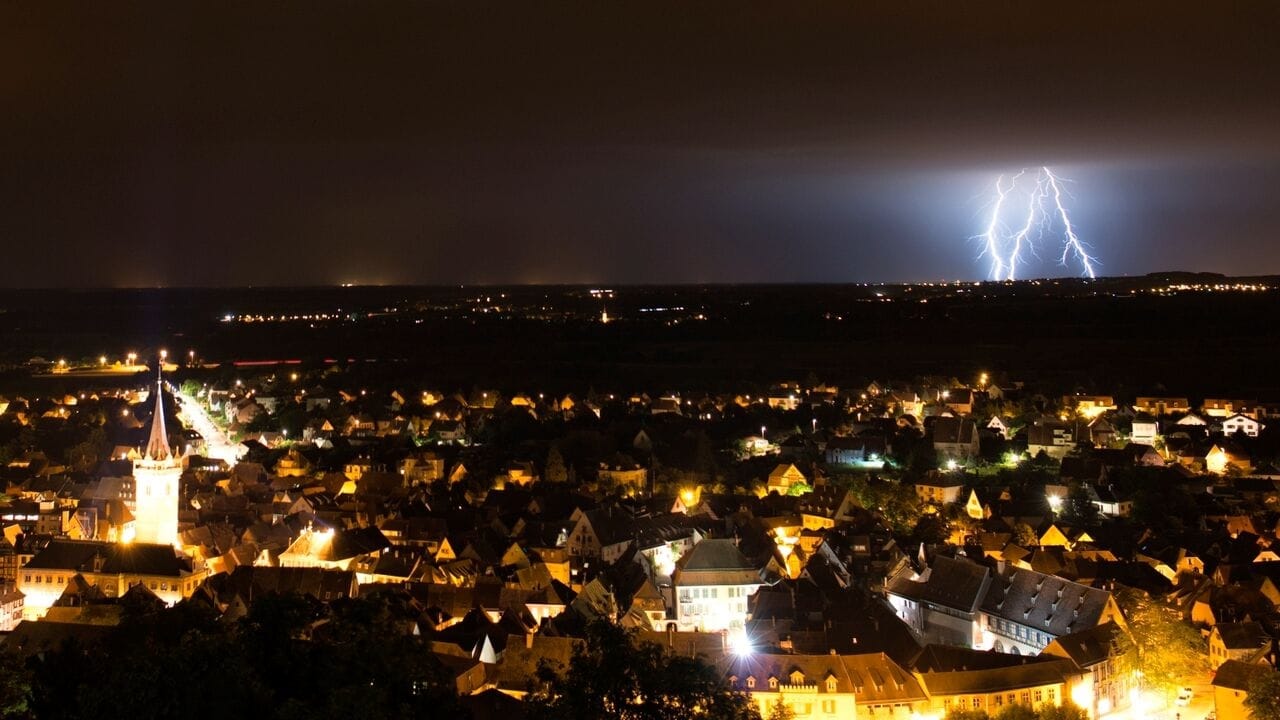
[(712, 584)]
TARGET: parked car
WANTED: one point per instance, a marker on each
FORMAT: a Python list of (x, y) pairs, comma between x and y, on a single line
[(1184, 697)]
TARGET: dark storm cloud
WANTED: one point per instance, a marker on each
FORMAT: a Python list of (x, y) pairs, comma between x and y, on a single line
[(465, 142)]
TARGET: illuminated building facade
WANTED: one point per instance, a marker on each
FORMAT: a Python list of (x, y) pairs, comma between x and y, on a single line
[(713, 584), (156, 476), (111, 567)]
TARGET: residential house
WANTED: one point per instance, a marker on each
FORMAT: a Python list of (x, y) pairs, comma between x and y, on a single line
[(955, 438), (1144, 429), (959, 401), (1241, 424), (1244, 641), (1052, 437), (1231, 688), (1089, 406), (1105, 686), (857, 449), (1159, 406), (336, 549), (1226, 407), (939, 488), (786, 479), (998, 427)]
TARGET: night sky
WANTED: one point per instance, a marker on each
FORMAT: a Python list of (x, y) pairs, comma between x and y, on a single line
[(320, 143)]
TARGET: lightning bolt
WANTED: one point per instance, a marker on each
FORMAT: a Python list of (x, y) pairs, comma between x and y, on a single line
[(1072, 243), (1035, 204), (991, 237), (1005, 254)]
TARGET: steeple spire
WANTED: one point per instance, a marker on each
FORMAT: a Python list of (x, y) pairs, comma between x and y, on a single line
[(158, 444)]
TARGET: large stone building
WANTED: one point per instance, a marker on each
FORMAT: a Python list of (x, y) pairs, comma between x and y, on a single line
[(959, 602), (712, 583), (111, 567)]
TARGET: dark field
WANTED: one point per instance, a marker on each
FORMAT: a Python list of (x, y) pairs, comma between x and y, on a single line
[(1115, 335)]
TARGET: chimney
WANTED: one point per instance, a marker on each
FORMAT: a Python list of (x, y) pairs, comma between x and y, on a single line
[(528, 641)]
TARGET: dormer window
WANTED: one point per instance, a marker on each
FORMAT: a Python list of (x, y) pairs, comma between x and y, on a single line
[(773, 683), (797, 678), (831, 684), (751, 682)]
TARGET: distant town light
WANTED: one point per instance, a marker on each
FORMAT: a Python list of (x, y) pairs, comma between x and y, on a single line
[(952, 465), (1055, 502)]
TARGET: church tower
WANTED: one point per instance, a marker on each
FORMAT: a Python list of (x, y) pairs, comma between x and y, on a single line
[(155, 482)]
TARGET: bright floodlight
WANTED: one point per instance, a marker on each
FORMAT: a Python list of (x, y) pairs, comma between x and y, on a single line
[(739, 643), (952, 464), (1055, 502)]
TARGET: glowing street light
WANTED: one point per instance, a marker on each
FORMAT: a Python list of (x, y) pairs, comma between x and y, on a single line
[(102, 360), (133, 357), (739, 643), (952, 465), (1055, 502)]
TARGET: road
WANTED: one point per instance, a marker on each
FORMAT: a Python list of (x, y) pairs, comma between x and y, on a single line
[(217, 444)]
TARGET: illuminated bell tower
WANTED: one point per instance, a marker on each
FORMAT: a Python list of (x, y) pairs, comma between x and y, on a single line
[(155, 482)]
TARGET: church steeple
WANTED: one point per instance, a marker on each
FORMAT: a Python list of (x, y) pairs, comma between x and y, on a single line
[(158, 445)]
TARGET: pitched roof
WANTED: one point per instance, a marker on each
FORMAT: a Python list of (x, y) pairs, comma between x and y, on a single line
[(1242, 635), (951, 582), (1086, 648), (88, 556), (1238, 675), (1045, 601), (715, 562), (873, 677), (964, 682)]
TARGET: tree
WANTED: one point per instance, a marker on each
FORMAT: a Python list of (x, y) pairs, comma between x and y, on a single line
[(1167, 651), (15, 687), (704, 458), (960, 712), (1263, 702), (1079, 508), (613, 676), (1066, 711), (1025, 535), (1016, 712), (781, 711), (555, 470)]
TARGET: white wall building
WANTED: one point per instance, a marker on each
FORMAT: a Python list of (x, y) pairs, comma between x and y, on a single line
[(713, 583)]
